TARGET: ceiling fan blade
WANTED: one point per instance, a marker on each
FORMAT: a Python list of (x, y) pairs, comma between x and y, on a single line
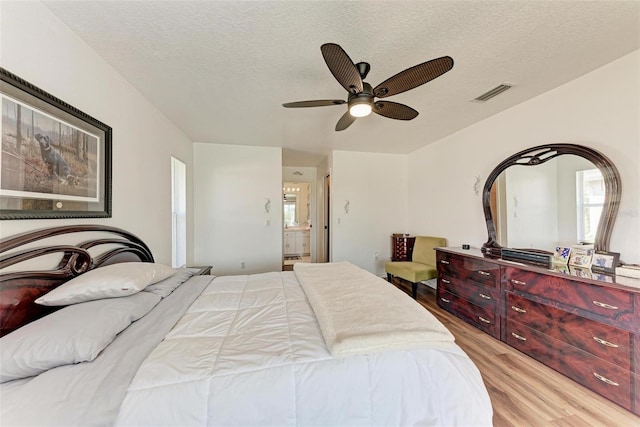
[(342, 67), (394, 110), (413, 77), (317, 103), (345, 121)]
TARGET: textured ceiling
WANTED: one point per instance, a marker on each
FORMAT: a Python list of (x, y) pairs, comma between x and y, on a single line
[(220, 71)]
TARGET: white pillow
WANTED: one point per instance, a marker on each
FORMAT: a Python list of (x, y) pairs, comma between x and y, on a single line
[(164, 287), (112, 281), (73, 334)]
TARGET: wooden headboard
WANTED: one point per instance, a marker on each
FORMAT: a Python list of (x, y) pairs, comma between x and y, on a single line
[(20, 288)]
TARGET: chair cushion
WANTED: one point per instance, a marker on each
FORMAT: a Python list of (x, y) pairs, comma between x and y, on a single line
[(411, 271), (423, 249)]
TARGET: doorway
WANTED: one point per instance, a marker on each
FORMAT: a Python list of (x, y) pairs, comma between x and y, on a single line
[(297, 205), (178, 213)]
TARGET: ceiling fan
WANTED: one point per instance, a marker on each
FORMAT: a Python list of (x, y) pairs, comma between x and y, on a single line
[(361, 100)]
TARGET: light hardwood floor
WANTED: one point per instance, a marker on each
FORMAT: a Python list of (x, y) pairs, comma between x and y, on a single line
[(523, 391)]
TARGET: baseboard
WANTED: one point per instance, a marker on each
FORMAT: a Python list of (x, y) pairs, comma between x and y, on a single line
[(432, 283)]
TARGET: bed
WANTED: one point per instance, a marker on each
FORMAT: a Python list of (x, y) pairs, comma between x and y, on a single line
[(126, 341)]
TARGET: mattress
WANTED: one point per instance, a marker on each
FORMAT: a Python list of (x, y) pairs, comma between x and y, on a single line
[(247, 350)]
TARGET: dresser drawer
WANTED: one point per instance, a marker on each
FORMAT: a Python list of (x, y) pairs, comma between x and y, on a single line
[(479, 295), (604, 341), (606, 302), (480, 317), (606, 379), (467, 268)]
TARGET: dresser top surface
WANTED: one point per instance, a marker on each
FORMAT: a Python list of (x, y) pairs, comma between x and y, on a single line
[(564, 271)]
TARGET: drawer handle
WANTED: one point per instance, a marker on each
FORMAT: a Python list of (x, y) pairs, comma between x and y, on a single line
[(518, 282), (484, 273), (485, 296), (604, 379), (446, 281), (518, 309), (603, 342), (445, 300), (603, 305), (518, 337), (444, 261), (482, 319)]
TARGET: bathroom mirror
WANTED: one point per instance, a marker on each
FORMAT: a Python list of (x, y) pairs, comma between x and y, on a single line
[(550, 195), (295, 203)]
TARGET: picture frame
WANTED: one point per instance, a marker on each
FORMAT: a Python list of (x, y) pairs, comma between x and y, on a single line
[(581, 257), (55, 160), (561, 255), (605, 262)]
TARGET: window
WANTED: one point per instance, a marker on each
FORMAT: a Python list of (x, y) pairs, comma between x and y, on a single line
[(289, 212), (590, 192), (178, 213)]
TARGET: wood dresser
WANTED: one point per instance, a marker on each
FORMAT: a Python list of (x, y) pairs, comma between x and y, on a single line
[(584, 325), (402, 247)]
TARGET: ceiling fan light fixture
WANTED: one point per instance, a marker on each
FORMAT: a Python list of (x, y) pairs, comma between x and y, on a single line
[(360, 106), (361, 94)]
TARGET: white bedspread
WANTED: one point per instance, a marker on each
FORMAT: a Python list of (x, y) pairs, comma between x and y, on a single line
[(360, 313), (249, 351)]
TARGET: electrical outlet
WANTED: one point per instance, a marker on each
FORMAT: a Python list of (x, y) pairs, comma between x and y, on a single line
[(375, 255), (242, 265)]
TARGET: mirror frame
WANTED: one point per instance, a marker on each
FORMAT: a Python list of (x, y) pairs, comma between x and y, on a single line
[(540, 154)]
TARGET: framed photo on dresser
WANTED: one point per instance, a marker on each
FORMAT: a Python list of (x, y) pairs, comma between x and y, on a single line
[(581, 256), (561, 255), (605, 262)]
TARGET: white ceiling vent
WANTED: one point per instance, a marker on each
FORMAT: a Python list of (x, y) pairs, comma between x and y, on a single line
[(493, 92)]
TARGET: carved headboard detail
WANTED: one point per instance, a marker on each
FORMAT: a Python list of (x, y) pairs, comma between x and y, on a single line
[(19, 289)]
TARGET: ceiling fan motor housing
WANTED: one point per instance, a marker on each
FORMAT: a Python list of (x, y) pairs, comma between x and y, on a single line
[(364, 97)]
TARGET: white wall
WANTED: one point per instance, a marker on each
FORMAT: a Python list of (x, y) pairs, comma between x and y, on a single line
[(532, 206), (37, 47), (375, 187), (599, 110), (232, 186)]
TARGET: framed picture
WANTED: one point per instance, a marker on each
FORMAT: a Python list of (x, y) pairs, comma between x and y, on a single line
[(581, 257), (605, 262), (55, 160), (561, 255)]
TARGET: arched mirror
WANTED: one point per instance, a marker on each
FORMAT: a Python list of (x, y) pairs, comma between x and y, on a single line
[(549, 196)]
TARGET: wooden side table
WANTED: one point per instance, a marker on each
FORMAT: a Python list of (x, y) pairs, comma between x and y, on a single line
[(402, 247)]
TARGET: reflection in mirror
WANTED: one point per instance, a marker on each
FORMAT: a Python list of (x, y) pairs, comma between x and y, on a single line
[(295, 202), (289, 205), (576, 191), (556, 203)]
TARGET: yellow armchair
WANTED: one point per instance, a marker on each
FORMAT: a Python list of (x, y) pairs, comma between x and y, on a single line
[(422, 265)]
